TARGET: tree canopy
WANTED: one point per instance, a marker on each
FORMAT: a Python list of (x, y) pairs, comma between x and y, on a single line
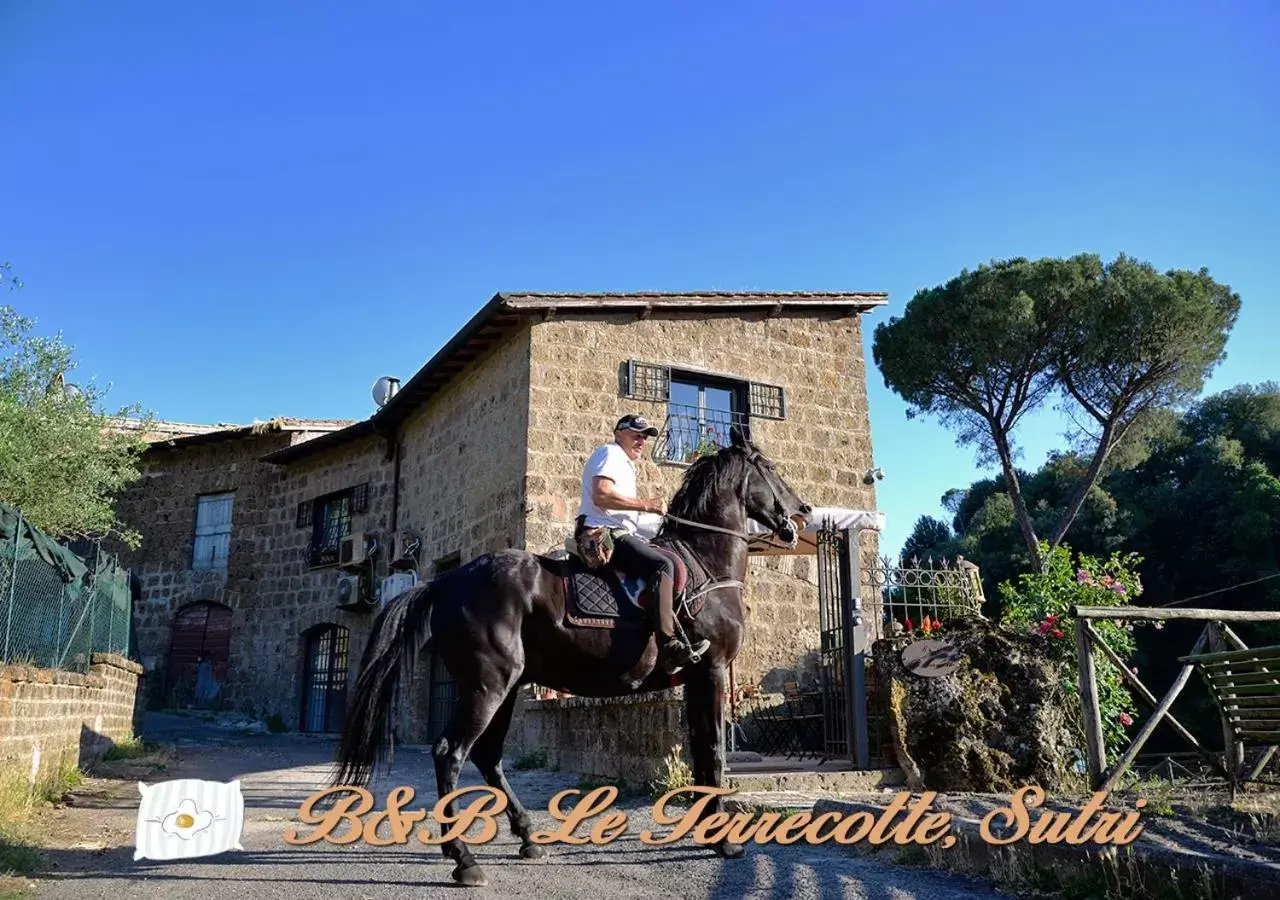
[(63, 461), (1114, 344), (1202, 507)]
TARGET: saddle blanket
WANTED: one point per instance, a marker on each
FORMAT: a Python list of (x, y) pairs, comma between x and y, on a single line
[(604, 598)]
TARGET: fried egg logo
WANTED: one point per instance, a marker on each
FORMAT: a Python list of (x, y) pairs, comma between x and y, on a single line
[(186, 818)]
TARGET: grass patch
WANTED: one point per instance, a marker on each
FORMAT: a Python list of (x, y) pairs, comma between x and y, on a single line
[(57, 786), (18, 802), (18, 856), (533, 759), (131, 747), (675, 773), (626, 791)]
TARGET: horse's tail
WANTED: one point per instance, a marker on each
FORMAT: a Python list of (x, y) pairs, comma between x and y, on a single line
[(399, 632)]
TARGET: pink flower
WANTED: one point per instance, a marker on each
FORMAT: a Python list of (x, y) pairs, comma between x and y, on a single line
[(1057, 633), (1108, 580), (1083, 577), (1118, 588), (1126, 720)]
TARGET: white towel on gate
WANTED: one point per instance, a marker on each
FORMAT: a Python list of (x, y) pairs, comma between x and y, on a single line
[(188, 817)]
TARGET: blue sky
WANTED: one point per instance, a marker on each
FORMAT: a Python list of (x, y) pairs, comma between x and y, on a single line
[(241, 210)]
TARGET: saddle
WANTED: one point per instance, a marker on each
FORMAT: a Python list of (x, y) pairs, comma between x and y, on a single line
[(606, 597)]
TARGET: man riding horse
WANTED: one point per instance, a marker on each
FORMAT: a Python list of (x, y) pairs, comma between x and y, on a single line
[(609, 502)]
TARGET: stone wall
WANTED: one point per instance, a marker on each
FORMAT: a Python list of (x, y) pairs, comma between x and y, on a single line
[(623, 739), (161, 506), (462, 477), (270, 629), (51, 720), (822, 447), (461, 465), (464, 458)]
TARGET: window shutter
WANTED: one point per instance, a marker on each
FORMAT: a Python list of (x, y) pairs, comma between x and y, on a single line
[(648, 382), (766, 401), (304, 514)]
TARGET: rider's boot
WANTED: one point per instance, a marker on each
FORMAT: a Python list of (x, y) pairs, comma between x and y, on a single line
[(674, 653)]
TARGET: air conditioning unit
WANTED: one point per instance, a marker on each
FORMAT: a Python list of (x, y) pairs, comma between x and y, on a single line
[(352, 549), (395, 585), (351, 592)]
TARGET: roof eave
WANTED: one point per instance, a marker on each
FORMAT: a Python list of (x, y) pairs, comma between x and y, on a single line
[(260, 429), (506, 311), (292, 453), (706, 301)]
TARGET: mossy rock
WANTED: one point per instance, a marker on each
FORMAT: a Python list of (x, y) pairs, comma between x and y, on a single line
[(997, 723)]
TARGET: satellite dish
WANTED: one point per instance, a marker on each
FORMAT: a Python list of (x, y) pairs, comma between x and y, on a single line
[(384, 389)]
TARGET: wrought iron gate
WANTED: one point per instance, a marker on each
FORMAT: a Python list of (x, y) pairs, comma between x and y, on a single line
[(842, 650), (443, 699)]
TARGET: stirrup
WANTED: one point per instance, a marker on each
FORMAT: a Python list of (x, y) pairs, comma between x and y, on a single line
[(676, 654)]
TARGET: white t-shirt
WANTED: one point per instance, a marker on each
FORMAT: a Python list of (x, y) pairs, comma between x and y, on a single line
[(611, 461)]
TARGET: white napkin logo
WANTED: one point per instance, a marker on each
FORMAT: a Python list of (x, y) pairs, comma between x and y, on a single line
[(186, 818)]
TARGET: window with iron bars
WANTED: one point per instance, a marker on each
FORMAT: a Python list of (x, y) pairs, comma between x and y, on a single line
[(330, 519), (702, 408)]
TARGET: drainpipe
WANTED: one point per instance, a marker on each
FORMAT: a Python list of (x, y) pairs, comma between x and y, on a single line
[(395, 492)]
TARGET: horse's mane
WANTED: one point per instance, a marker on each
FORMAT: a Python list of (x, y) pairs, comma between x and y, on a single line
[(709, 480)]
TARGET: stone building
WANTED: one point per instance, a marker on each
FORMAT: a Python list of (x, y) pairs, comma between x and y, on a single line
[(266, 547)]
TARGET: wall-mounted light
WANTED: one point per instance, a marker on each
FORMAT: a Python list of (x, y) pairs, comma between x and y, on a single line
[(873, 475)]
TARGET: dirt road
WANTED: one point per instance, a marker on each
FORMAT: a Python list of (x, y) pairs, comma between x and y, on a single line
[(96, 832)]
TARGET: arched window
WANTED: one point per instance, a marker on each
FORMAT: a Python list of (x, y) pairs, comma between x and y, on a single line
[(324, 678)]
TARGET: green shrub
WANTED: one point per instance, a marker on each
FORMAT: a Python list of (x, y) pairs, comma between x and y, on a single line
[(1042, 604)]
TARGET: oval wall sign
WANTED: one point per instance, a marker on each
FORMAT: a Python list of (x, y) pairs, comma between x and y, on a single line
[(931, 658)]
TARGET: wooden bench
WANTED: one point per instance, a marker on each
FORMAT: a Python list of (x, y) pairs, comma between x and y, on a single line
[(1245, 685)]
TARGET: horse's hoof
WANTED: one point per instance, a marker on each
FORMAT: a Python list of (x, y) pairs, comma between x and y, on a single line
[(730, 851), (532, 851), (470, 876)]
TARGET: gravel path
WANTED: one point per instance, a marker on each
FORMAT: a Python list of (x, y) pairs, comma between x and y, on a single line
[(279, 771)]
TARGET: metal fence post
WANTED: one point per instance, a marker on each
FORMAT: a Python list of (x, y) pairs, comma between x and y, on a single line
[(13, 584), (855, 642)]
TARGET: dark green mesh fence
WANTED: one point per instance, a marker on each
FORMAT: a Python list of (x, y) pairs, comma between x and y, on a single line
[(57, 608)]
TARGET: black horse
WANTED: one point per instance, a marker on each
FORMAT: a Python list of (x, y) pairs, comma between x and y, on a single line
[(500, 622)]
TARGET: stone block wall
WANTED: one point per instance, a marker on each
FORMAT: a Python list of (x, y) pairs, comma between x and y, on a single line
[(623, 739), (161, 506), (461, 465), (269, 633), (822, 447), (464, 457), (51, 720), (462, 477)]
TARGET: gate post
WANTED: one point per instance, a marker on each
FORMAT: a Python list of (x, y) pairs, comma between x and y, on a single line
[(855, 646)]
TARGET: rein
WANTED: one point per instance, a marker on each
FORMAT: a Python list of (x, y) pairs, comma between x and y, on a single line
[(748, 537), (754, 459)]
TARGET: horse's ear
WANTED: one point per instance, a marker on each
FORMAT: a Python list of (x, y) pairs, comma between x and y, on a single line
[(737, 438)]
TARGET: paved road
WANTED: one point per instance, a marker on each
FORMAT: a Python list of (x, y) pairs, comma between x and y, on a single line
[(279, 771)]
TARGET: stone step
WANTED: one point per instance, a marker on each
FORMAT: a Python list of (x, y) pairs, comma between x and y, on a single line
[(771, 801), (825, 783)]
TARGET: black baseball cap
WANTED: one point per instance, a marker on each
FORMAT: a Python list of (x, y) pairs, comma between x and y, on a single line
[(636, 423)]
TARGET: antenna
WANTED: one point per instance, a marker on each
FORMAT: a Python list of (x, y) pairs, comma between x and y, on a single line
[(384, 389)]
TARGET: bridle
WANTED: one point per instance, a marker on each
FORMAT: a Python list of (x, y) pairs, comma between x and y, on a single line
[(755, 460)]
